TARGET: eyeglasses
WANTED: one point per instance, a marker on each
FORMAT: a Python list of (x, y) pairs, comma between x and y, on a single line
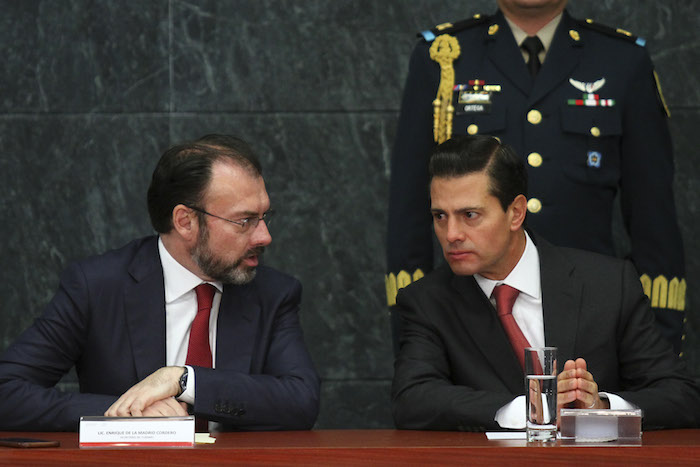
[(246, 224)]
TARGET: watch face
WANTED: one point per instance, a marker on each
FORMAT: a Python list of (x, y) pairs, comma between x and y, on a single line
[(183, 382)]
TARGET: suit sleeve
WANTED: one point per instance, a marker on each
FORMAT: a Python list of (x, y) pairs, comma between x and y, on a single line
[(31, 367), (283, 396), (651, 375), (409, 232), (423, 395), (647, 201)]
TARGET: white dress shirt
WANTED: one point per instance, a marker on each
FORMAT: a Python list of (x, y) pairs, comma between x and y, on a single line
[(527, 312), (180, 310)]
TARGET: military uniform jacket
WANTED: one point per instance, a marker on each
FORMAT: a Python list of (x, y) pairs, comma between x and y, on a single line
[(590, 124)]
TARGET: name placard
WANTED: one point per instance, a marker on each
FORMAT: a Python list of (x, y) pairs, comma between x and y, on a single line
[(176, 432)]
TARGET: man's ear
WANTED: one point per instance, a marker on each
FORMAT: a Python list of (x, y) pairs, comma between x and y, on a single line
[(185, 222), (517, 211)]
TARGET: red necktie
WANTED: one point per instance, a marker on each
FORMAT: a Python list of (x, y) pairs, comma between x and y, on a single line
[(198, 350), (505, 296)]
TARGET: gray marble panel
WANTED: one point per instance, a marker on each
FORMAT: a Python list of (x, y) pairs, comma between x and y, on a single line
[(356, 404), (83, 56), (71, 187), (282, 55), (327, 176)]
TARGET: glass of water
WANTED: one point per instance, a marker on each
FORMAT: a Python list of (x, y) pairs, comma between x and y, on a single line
[(541, 393)]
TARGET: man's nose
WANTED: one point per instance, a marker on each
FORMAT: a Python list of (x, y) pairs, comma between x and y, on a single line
[(455, 231), (261, 235)]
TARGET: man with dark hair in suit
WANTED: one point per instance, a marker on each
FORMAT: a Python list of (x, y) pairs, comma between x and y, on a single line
[(184, 319), (458, 367), (580, 103)]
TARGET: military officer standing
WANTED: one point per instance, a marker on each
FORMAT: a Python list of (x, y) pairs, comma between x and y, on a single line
[(581, 102)]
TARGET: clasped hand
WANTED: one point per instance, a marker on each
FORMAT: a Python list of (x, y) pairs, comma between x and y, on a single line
[(576, 387), (153, 396)]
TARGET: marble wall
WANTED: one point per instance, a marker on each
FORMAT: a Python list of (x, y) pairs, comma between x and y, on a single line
[(92, 92)]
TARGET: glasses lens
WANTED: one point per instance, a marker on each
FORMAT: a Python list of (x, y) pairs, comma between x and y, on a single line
[(267, 217)]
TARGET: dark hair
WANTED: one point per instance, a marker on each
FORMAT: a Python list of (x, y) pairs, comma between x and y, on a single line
[(462, 155), (183, 173)]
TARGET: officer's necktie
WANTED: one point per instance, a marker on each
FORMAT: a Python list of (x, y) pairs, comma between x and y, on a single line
[(505, 296), (198, 349), (533, 46)]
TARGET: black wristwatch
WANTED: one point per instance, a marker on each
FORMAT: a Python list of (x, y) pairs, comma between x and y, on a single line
[(183, 382)]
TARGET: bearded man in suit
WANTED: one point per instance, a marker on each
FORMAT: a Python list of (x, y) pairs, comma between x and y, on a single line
[(183, 321)]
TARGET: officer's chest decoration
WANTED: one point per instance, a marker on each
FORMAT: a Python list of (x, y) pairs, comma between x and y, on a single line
[(474, 97), (589, 97)]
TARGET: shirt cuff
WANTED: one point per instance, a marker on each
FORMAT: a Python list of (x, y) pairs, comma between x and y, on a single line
[(512, 415), (617, 402), (187, 395)]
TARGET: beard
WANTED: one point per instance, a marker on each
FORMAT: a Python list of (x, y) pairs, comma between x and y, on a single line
[(234, 272)]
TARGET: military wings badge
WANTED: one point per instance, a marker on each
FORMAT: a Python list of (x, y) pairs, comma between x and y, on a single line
[(589, 97), (589, 88)]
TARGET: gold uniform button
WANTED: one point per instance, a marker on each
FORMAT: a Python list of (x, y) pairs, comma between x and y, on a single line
[(472, 129), (574, 35), (534, 116), (493, 29), (595, 131), (534, 205), (534, 159)]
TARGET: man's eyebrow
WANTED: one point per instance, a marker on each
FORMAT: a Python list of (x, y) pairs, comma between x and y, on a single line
[(247, 213)]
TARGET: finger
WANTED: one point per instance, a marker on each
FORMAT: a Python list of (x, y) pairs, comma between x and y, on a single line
[(581, 364), (118, 409), (587, 400), (586, 385), (565, 398), (172, 407)]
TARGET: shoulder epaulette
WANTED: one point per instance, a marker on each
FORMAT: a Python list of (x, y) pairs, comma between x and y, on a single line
[(619, 33), (450, 28)]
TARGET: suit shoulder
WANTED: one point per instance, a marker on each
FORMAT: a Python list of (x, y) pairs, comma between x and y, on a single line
[(452, 28), (271, 278), (437, 278), (617, 33), (112, 259), (592, 260)]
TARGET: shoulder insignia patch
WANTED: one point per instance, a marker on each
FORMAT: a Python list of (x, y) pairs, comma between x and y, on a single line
[(614, 32), (450, 28)]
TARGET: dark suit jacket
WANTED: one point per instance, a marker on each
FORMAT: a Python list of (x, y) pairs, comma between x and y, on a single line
[(578, 198), (108, 320), (456, 367)]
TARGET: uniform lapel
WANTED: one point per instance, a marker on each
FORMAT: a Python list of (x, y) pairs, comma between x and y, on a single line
[(144, 310), (561, 301), (235, 332), (504, 54), (562, 57), (481, 322)]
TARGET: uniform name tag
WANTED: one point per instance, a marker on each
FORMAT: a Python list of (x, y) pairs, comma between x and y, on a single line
[(473, 102)]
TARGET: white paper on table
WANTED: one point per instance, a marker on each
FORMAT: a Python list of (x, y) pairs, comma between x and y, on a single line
[(492, 435)]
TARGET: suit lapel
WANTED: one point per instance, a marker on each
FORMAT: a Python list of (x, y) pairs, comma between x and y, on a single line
[(481, 322), (144, 310), (563, 56), (236, 327), (561, 301)]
